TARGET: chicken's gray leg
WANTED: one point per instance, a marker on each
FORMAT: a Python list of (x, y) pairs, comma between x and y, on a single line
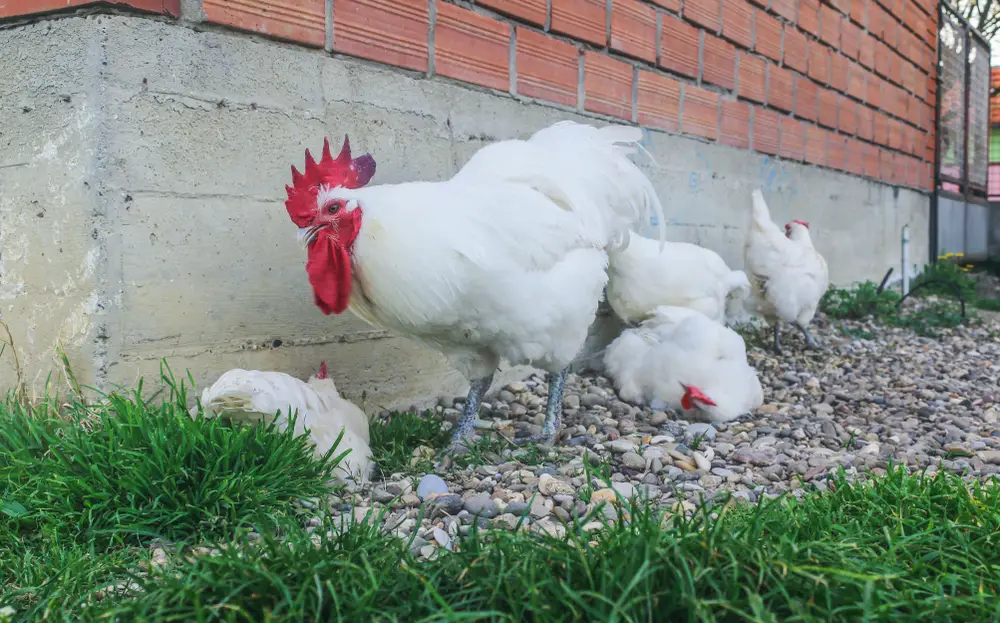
[(467, 423), (553, 411), (805, 333), (777, 337)]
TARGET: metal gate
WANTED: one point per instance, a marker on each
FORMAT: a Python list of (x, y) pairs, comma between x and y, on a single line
[(960, 214)]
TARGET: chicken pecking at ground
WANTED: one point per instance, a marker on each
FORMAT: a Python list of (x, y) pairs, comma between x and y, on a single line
[(252, 395), (788, 274), (686, 360), (507, 260), (643, 277)]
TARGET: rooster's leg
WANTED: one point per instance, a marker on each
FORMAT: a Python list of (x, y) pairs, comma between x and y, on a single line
[(553, 412), (777, 338), (467, 423), (805, 333)]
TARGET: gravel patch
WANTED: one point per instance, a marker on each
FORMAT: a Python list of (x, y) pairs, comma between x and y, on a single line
[(858, 405)]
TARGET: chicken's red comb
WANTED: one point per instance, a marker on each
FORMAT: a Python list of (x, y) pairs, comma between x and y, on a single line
[(802, 223), (322, 370), (339, 172)]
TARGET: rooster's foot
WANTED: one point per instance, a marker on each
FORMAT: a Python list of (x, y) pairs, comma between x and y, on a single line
[(777, 339), (810, 340), (465, 429)]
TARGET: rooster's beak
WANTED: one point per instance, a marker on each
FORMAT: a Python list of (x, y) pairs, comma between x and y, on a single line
[(306, 235)]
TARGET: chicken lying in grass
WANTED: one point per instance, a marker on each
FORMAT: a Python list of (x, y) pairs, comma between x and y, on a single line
[(643, 277), (682, 358), (252, 395), (788, 274)]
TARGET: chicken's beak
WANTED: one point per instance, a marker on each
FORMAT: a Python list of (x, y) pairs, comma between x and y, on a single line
[(308, 234)]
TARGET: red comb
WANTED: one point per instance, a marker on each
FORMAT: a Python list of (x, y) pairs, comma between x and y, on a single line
[(692, 393), (802, 223), (339, 172), (322, 371)]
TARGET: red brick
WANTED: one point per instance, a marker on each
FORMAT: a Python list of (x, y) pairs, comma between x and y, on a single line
[(875, 18), (581, 19), (765, 130), (793, 139), (887, 97), (719, 58), (737, 22), (705, 13), (678, 46), (781, 91), (768, 34), (850, 39), (547, 68), (847, 116), (827, 114), (809, 16), (854, 157), (735, 127), (866, 123), (873, 94), (796, 52), (819, 62), (886, 165), (855, 81), (753, 78), (784, 8), (896, 134), (471, 47), (607, 85), (914, 171), (700, 113), (882, 59), (533, 11), (659, 101), (806, 95), (859, 12), (835, 151), (10, 8), (866, 53), (881, 129), (844, 6), (633, 29), (838, 72), (670, 5), (388, 31), (303, 21), (816, 145), (890, 30), (830, 26), (870, 155)]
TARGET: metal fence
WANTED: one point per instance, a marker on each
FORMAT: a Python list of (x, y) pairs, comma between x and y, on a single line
[(959, 208)]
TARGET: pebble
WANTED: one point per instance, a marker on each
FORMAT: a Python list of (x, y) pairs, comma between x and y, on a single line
[(431, 484), (856, 405)]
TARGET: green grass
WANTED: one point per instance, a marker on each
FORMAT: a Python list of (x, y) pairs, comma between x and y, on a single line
[(863, 300), (87, 490)]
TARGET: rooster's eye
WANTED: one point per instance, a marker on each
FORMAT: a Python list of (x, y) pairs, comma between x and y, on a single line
[(333, 206)]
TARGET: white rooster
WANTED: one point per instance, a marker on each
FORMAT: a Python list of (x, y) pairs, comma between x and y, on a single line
[(788, 274), (685, 359), (252, 395), (507, 260), (643, 277)]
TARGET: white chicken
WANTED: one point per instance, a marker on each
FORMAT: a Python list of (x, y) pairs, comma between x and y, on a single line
[(642, 278), (507, 260), (688, 361), (788, 274), (252, 395)]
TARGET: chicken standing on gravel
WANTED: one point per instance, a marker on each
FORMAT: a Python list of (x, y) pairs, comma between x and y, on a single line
[(788, 274), (683, 358), (252, 395), (643, 277), (507, 260)]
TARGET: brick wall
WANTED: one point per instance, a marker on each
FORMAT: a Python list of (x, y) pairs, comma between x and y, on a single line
[(843, 84)]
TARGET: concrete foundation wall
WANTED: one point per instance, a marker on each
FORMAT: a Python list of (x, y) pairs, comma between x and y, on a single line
[(142, 186)]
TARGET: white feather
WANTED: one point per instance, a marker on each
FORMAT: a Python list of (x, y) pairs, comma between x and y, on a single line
[(789, 276), (252, 395), (678, 345), (642, 277), (507, 260)]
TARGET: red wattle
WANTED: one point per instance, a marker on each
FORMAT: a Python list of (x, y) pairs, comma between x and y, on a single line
[(329, 270)]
